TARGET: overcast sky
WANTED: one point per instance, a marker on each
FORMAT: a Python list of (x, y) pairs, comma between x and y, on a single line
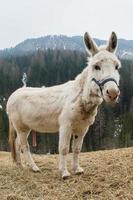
[(22, 19)]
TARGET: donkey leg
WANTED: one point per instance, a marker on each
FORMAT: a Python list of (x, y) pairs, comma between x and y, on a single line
[(26, 151), (76, 147), (18, 151), (64, 143)]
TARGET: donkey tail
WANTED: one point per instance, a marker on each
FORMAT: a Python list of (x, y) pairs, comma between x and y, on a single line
[(12, 137)]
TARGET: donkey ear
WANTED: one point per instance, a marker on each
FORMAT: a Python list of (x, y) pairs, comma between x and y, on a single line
[(90, 44), (112, 44)]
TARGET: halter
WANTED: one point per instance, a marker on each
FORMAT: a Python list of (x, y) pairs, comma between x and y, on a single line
[(102, 82)]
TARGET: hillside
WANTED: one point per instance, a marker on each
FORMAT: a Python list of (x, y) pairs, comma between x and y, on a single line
[(125, 47), (108, 176)]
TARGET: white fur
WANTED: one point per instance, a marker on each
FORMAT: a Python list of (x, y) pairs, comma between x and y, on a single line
[(69, 108)]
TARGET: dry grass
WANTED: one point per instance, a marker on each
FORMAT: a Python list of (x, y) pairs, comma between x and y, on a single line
[(108, 175)]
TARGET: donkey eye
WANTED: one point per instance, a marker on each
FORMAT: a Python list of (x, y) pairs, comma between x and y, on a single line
[(117, 67), (97, 67)]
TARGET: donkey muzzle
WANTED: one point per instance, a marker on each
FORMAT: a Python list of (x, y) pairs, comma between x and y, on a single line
[(113, 94)]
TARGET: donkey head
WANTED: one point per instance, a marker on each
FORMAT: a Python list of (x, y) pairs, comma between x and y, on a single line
[(103, 68)]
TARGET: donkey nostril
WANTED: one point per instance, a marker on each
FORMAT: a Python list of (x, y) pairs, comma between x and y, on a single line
[(107, 92), (115, 97)]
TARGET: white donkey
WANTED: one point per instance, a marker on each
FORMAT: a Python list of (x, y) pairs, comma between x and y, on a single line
[(69, 108)]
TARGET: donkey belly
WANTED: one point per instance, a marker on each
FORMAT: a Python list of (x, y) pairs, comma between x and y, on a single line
[(42, 116), (46, 125)]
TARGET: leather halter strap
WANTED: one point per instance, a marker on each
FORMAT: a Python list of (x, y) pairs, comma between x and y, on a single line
[(102, 82)]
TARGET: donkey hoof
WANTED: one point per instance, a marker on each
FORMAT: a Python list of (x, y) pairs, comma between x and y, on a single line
[(35, 169), (65, 175), (79, 171)]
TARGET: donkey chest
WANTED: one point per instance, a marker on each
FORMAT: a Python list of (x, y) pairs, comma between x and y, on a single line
[(84, 118)]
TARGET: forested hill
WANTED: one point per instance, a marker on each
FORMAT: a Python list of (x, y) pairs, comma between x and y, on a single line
[(125, 47), (113, 126)]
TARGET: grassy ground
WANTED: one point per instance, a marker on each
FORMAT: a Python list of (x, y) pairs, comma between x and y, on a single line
[(108, 176)]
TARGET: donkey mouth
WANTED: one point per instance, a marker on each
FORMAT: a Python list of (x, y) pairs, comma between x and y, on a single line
[(111, 101)]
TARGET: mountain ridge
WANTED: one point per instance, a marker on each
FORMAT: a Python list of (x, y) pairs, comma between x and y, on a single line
[(31, 45)]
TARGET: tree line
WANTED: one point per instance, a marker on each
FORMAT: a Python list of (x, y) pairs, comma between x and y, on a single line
[(113, 127)]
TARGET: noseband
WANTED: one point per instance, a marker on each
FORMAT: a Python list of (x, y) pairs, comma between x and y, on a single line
[(102, 82)]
